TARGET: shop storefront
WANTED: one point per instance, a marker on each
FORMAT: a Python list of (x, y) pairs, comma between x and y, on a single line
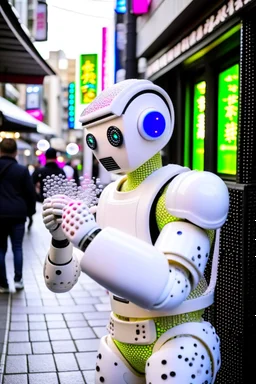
[(209, 72)]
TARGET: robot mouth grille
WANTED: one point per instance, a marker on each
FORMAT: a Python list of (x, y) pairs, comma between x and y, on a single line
[(109, 163)]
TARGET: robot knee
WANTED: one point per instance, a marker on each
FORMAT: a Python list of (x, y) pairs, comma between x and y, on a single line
[(111, 367), (183, 359)]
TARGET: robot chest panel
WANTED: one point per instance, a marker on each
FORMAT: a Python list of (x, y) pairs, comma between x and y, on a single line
[(125, 212)]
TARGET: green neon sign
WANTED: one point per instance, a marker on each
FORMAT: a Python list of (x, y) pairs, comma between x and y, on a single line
[(228, 120), (198, 126)]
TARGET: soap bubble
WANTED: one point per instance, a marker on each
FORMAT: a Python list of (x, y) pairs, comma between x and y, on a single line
[(88, 191)]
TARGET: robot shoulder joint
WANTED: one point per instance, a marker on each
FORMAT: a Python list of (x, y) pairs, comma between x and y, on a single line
[(200, 197)]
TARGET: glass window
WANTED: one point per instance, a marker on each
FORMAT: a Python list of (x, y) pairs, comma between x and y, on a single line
[(228, 98), (198, 126)]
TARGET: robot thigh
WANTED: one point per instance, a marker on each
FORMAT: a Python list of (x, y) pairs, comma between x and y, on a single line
[(188, 357), (111, 367)]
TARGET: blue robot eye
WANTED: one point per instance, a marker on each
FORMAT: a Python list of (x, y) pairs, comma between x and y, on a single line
[(153, 125)]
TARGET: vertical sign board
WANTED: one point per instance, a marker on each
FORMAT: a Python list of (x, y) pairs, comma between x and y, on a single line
[(199, 126), (71, 105), (228, 120), (88, 78), (104, 59)]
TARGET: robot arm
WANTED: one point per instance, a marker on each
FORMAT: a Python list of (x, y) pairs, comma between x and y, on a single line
[(61, 267), (126, 266)]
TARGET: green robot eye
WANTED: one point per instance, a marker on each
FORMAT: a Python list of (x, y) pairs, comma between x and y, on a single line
[(91, 141), (115, 136)]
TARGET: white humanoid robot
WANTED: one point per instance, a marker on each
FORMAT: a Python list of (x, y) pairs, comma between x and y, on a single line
[(149, 245)]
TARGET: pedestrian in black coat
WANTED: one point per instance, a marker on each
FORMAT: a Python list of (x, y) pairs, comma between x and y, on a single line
[(51, 168), (17, 202)]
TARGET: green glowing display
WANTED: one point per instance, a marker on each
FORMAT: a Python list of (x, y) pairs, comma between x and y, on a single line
[(198, 126), (228, 120)]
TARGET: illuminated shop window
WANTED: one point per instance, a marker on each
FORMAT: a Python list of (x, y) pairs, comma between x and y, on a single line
[(198, 126), (228, 120)]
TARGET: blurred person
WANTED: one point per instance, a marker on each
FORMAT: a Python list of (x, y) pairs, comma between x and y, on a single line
[(51, 168), (71, 172), (17, 202)]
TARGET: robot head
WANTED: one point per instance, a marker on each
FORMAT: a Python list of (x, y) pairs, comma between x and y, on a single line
[(127, 124)]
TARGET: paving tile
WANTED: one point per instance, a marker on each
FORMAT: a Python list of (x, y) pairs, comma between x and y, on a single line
[(60, 309), (41, 363), (19, 317), (59, 334), (86, 360), (100, 331), (38, 335), (34, 303), (18, 336), (79, 293), (56, 324), (16, 364), (41, 347), (86, 300), (15, 379), (77, 323), (98, 322), (63, 346), (98, 292), (82, 333), (43, 378), (73, 316), (104, 299), (96, 315), (64, 302), (36, 317), (19, 302), (71, 377), (19, 349), (19, 326), (89, 377), (87, 345), (37, 325), (102, 307), (54, 317), (65, 362), (50, 302)]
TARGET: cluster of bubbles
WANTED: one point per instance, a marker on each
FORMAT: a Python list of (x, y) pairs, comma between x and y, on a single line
[(88, 191)]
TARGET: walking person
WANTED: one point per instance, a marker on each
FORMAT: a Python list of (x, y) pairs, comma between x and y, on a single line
[(17, 202), (51, 168)]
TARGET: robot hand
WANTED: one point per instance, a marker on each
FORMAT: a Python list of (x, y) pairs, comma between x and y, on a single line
[(78, 223), (52, 215)]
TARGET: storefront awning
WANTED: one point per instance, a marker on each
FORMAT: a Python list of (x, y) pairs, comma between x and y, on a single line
[(20, 62), (15, 119)]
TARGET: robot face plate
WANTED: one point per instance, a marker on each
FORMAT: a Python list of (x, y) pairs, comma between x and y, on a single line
[(106, 139)]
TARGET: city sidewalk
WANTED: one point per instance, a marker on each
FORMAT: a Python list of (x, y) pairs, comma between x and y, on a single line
[(50, 338)]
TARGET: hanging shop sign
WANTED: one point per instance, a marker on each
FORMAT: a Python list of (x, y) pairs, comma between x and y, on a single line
[(210, 24), (199, 125), (228, 120), (88, 78), (41, 21), (140, 7)]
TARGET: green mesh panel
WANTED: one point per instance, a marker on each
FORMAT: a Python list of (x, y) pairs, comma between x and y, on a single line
[(137, 355), (136, 177)]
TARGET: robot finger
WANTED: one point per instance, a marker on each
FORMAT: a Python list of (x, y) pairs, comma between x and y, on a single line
[(46, 205), (57, 212), (47, 212)]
